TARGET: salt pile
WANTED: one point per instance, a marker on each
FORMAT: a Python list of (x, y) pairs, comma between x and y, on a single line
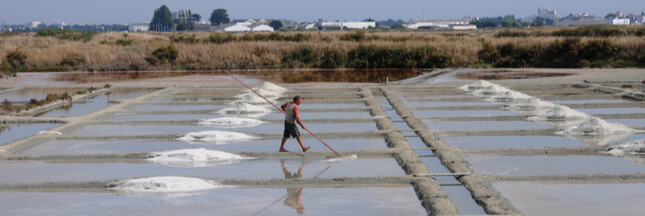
[(570, 122), (479, 84), (194, 158), (509, 96), (215, 137), (492, 90), (273, 87), (245, 108), (595, 125), (627, 147), (230, 122), (251, 98), (50, 132), (529, 104), (559, 113), (166, 184)]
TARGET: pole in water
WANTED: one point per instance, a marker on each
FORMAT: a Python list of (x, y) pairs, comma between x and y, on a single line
[(338, 155)]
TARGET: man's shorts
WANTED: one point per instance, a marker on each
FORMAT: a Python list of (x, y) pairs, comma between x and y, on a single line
[(290, 130)]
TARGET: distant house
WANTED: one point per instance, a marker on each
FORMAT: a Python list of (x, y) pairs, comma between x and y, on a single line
[(463, 27), (620, 21), (436, 23), (261, 28), (139, 27), (342, 25), (32, 24)]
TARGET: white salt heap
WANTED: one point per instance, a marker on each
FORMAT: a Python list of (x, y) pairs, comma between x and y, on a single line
[(479, 84), (50, 132), (166, 184), (273, 88), (492, 90), (529, 104), (595, 125), (509, 96), (559, 113), (194, 158), (215, 137), (627, 147), (230, 122), (245, 108), (570, 122)]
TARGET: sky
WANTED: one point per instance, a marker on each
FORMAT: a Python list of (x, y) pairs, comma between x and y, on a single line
[(129, 11)]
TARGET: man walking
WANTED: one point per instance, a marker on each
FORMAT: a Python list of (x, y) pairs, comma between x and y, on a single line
[(290, 129)]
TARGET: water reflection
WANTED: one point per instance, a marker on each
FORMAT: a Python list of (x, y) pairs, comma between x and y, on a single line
[(294, 195)]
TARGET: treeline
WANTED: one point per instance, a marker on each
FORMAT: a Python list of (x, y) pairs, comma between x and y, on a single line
[(585, 31), (567, 53)]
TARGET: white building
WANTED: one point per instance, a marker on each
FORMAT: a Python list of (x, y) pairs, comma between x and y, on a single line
[(463, 27), (343, 25), (33, 24), (436, 23), (136, 27), (619, 21), (261, 28)]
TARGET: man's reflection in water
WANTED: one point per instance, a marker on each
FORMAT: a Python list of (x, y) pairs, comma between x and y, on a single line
[(294, 195)]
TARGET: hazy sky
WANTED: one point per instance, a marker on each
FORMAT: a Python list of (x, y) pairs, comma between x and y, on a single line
[(127, 11)]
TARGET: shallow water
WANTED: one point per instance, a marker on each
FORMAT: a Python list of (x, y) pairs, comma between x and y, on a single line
[(10, 133), (461, 113), (434, 164), (587, 101), (543, 198), (94, 104), (161, 117), (628, 122), (147, 107), (439, 103), (385, 200), (464, 202), (321, 115), (38, 93), (483, 125), (36, 171), (495, 142), (66, 147), (613, 110), (106, 130), (552, 165)]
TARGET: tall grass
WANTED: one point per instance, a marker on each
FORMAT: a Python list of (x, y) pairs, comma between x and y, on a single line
[(208, 51)]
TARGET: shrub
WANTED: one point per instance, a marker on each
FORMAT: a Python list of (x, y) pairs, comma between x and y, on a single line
[(168, 53), (333, 59), (303, 57), (356, 36), (73, 60), (16, 59), (382, 57), (124, 42), (221, 38), (66, 34)]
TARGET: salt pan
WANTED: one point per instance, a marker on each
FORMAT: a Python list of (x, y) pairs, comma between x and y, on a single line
[(166, 184), (194, 158), (215, 137), (230, 122)]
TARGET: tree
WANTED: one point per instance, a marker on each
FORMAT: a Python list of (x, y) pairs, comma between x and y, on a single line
[(183, 21), (398, 26), (219, 16), (162, 18), (276, 24), (196, 17)]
